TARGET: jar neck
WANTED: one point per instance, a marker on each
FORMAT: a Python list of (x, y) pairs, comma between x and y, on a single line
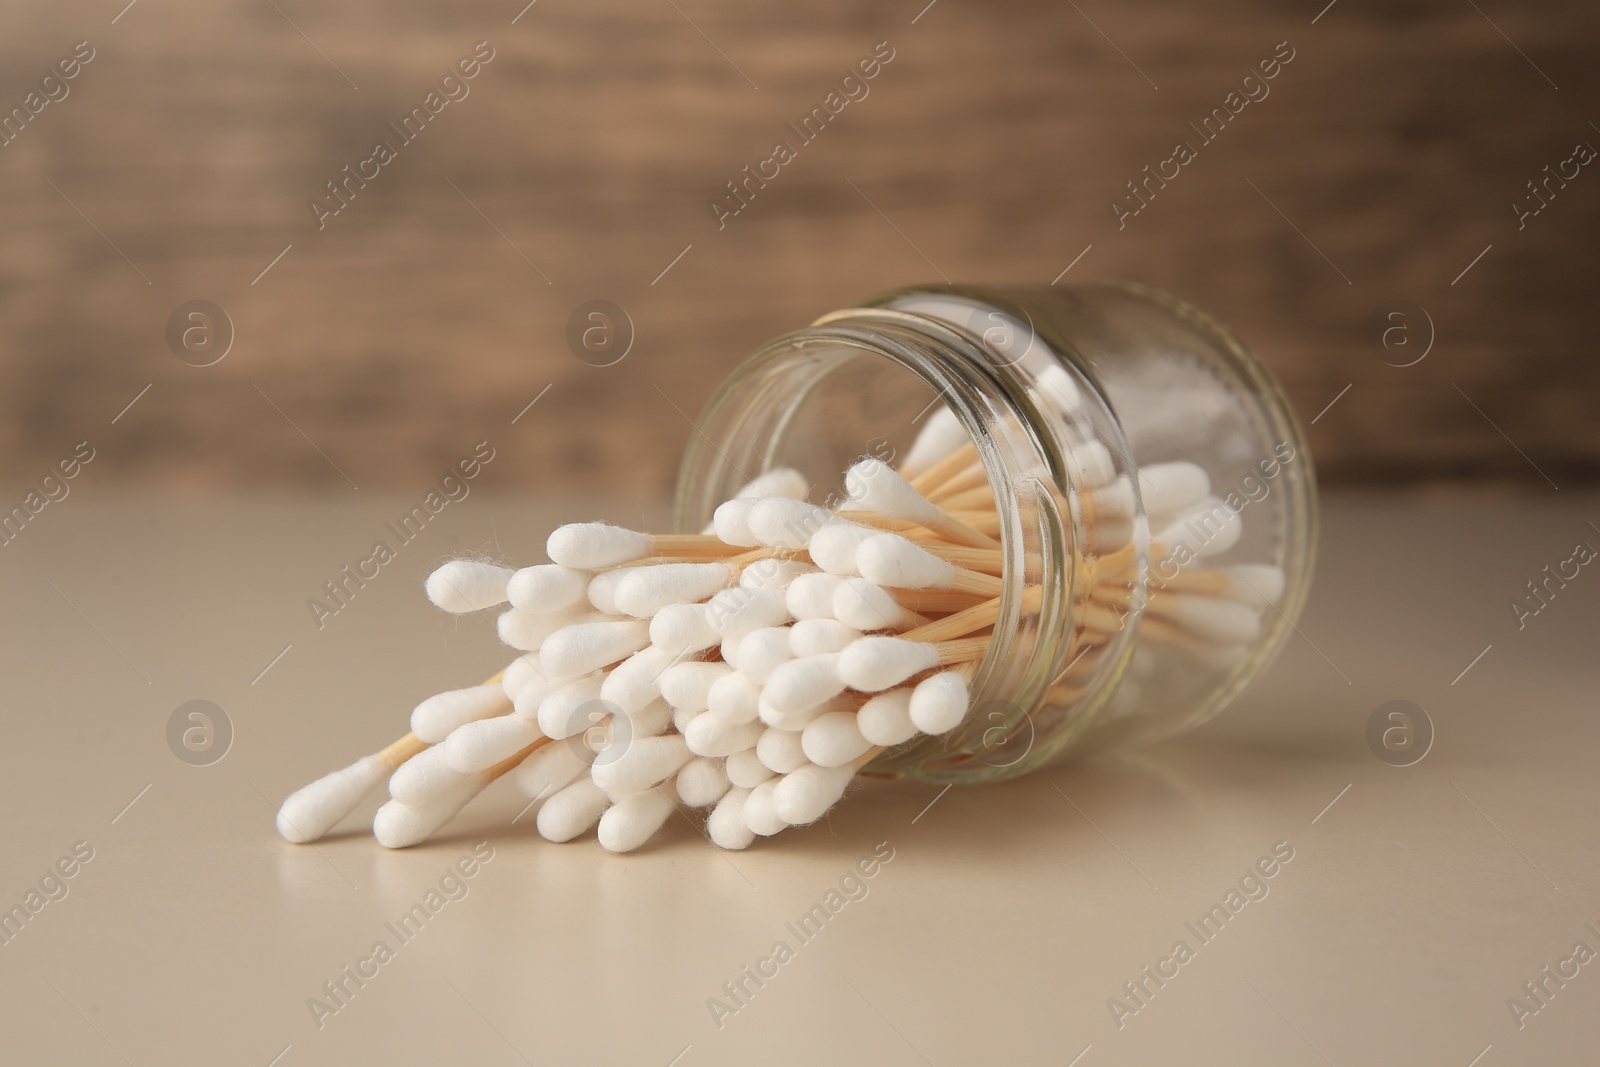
[(1027, 452)]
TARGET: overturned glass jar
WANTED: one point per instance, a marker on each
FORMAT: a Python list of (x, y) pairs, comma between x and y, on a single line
[(954, 533)]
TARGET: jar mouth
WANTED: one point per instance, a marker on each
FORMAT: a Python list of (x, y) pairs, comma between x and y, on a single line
[(748, 426)]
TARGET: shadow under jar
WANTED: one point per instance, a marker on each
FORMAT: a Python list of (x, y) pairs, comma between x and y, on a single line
[(1149, 484)]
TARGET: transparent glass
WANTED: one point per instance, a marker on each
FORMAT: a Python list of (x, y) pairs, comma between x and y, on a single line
[(1148, 482)]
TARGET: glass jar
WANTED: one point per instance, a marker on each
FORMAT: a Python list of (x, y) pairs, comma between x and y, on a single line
[(1151, 490)]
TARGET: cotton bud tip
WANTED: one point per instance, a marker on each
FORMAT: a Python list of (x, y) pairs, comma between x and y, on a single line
[(434, 718), (312, 810), (547, 587), (726, 826), (805, 795), (631, 822), (593, 545), (874, 664), (464, 585), (939, 703)]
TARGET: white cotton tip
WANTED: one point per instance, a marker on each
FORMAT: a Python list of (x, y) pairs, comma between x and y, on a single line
[(424, 777), (725, 826), (779, 481), (526, 703), (799, 686), (1089, 466), (572, 811), (810, 596), (573, 708), (1257, 584), (589, 546), (683, 629), (731, 523), (646, 590), (634, 820), (632, 768), (434, 718), (941, 435), (519, 671), (874, 486), (1113, 501), (868, 606), (892, 560), (547, 587), (1168, 488), (761, 651), (584, 647), (886, 718), (602, 591), (874, 664), (312, 810), (733, 698), (834, 739), (682, 719), (464, 585), (477, 746), (814, 637), (1209, 528), (735, 612), (398, 825), (745, 769), (939, 704), (708, 735), (527, 632), (701, 782), (805, 795), (781, 751), (687, 686), (552, 768), (760, 809), (833, 548), (773, 573), (1059, 387), (650, 720), (779, 522), (1220, 622), (636, 681)]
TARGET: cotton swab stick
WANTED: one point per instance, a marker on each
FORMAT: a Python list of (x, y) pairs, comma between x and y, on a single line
[(701, 782), (803, 796), (834, 547), (874, 664), (779, 481), (572, 810), (867, 606), (761, 651), (401, 825), (644, 763), (636, 681), (939, 702), (726, 826), (434, 718), (547, 587), (782, 523), (632, 821), (708, 735), (573, 708), (312, 810), (885, 719), (745, 769), (834, 739), (799, 686), (464, 585), (782, 751), (814, 637), (593, 546), (683, 629), (646, 590), (584, 647), (475, 746), (760, 809), (891, 560), (687, 686), (872, 484)]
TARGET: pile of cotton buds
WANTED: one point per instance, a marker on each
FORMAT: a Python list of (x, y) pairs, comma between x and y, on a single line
[(752, 669)]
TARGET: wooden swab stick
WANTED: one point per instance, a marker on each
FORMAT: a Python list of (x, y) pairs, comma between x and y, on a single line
[(931, 479)]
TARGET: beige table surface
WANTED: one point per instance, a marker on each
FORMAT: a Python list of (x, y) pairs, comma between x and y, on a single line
[(1417, 903)]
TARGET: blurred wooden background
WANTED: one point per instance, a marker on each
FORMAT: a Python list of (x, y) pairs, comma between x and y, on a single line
[(428, 313)]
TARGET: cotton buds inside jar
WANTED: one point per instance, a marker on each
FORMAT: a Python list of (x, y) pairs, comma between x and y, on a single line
[(952, 534)]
